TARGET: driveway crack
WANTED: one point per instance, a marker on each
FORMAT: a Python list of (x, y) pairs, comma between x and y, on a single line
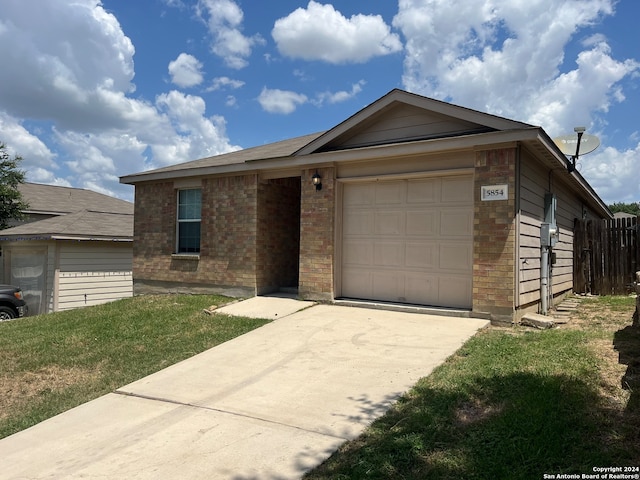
[(226, 412)]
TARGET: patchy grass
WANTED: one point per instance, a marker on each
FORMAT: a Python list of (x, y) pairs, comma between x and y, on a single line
[(51, 363), (514, 404)]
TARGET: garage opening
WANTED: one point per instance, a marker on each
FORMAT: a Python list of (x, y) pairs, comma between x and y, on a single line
[(409, 241)]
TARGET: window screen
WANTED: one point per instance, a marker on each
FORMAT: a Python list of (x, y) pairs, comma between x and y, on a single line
[(189, 207)]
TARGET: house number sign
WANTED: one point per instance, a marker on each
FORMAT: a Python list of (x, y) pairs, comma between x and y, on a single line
[(494, 192)]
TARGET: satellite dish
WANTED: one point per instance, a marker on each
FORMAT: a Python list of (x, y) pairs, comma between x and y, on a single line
[(567, 144)]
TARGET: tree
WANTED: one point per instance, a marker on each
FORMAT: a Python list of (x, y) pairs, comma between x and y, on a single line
[(11, 202), (632, 208)]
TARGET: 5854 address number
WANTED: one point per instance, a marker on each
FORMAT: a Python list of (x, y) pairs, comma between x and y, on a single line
[(494, 192)]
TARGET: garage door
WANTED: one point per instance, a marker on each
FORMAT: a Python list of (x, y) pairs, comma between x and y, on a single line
[(409, 241)]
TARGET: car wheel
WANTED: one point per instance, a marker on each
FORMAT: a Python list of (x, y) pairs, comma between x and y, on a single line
[(6, 313)]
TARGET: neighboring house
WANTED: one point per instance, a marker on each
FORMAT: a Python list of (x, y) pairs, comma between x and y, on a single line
[(421, 202), (73, 249)]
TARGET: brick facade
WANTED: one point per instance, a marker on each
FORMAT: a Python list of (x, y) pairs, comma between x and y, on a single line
[(154, 230), (317, 227), (494, 236), (227, 260)]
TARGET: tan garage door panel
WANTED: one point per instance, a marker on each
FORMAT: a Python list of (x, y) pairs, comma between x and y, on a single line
[(409, 241)]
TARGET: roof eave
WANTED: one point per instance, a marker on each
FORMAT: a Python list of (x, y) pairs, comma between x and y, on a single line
[(473, 141), (576, 177), (361, 153)]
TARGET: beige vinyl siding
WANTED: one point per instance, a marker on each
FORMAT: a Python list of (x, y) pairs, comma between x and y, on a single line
[(402, 123), (436, 164), (93, 273), (534, 183), (569, 208)]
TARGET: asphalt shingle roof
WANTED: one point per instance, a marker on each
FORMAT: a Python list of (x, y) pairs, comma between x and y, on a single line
[(85, 224), (284, 148), (61, 200), (77, 213)]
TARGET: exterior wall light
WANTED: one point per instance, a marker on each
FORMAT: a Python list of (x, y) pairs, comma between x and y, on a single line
[(317, 181)]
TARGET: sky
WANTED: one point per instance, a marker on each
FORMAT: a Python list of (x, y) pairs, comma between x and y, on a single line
[(93, 90)]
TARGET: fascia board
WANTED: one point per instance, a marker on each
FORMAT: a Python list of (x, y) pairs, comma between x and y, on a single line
[(465, 142)]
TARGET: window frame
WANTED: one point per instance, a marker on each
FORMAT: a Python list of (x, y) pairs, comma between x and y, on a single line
[(180, 249)]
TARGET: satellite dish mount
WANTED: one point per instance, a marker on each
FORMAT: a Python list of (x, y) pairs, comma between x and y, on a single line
[(573, 149), (574, 158)]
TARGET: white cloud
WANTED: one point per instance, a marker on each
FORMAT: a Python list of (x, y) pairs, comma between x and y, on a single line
[(41, 175), (577, 96), (319, 32), (610, 173), (281, 101), (505, 58), (286, 101), (57, 55), (186, 71), (68, 65), (19, 141), (225, 26), (340, 96), (224, 82), (174, 3), (199, 136)]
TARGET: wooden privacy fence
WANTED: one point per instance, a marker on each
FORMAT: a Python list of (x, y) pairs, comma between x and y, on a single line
[(606, 255)]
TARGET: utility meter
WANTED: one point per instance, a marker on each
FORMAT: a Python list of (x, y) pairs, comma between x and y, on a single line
[(548, 235)]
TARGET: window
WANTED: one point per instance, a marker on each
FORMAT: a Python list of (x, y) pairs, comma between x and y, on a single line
[(189, 207)]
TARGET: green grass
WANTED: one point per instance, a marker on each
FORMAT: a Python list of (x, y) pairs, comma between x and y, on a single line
[(51, 363), (511, 404)]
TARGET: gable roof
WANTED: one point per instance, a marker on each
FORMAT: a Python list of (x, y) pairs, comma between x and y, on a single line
[(81, 225), (399, 123), (430, 118), (55, 200), (433, 119)]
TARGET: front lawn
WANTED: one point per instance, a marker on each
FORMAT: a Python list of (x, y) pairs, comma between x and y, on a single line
[(514, 404), (51, 363)]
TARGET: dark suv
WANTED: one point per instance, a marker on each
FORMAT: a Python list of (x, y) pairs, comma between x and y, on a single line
[(12, 305)]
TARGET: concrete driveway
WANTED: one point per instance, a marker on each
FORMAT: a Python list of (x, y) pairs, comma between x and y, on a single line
[(270, 404)]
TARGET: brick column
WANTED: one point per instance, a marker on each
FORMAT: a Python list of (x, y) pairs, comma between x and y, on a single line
[(317, 235), (494, 237)]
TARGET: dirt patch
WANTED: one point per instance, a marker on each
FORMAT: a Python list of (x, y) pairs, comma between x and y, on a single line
[(22, 388), (476, 411), (615, 340)]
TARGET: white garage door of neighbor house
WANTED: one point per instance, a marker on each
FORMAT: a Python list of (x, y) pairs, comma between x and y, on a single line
[(409, 241)]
